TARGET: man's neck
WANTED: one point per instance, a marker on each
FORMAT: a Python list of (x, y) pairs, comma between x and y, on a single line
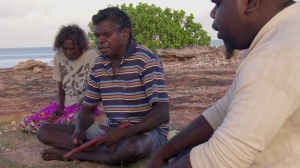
[(115, 60)]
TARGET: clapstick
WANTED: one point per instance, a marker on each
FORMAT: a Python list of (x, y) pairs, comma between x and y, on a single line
[(89, 143)]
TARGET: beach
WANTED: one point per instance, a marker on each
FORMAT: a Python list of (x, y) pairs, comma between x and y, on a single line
[(192, 88)]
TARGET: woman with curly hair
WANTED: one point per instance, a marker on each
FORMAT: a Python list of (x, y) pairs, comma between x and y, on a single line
[(72, 63)]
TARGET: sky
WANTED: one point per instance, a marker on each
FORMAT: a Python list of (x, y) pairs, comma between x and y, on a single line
[(34, 23)]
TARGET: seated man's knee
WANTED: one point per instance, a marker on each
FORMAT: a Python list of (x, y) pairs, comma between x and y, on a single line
[(41, 133), (132, 150)]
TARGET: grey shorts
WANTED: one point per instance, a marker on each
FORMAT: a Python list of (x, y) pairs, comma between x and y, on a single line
[(157, 139)]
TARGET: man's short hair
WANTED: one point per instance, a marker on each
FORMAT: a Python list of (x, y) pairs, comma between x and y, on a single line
[(115, 15)]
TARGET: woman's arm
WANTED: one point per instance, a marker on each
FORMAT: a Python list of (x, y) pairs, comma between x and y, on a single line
[(61, 96), (61, 101)]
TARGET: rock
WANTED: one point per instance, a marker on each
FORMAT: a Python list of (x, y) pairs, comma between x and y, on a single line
[(167, 52), (190, 52), (212, 48), (13, 123), (14, 129), (3, 148), (222, 48), (182, 54), (7, 150), (166, 59), (29, 64), (52, 61), (37, 70)]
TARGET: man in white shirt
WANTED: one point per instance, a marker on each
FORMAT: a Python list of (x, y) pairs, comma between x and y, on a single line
[(257, 122)]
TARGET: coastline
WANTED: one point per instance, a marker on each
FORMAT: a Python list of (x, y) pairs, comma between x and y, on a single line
[(11, 56)]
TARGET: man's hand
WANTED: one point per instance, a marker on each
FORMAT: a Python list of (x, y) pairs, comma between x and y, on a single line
[(157, 160), (77, 138), (56, 114), (112, 136)]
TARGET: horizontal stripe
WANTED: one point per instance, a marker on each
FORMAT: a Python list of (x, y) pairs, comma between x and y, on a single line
[(119, 81), (153, 73), (126, 106), (155, 86), (138, 57), (129, 109), (124, 96), (122, 93), (156, 90), (142, 53), (90, 104)]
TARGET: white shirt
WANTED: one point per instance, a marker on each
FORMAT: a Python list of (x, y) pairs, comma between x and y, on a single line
[(257, 123), (73, 74)]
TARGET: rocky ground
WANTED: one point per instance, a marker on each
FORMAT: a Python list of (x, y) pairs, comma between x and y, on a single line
[(193, 86)]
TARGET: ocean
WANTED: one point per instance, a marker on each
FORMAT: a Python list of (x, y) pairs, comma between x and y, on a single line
[(9, 57)]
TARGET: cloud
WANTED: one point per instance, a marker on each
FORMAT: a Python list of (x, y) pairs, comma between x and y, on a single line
[(34, 23), (14, 8)]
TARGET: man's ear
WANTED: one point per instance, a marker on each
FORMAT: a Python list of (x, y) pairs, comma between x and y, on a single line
[(125, 33), (252, 5)]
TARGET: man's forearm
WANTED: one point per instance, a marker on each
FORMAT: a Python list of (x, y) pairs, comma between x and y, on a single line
[(156, 117), (197, 133), (85, 118)]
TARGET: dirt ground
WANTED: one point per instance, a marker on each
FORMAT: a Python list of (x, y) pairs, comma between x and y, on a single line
[(192, 88)]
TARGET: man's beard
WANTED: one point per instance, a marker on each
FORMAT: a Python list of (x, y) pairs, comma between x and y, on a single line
[(229, 51), (230, 47)]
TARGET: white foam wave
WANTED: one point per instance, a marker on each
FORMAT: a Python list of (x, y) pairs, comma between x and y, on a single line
[(22, 55), (19, 60)]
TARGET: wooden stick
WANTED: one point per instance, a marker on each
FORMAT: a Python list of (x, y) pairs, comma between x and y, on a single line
[(83, 146)]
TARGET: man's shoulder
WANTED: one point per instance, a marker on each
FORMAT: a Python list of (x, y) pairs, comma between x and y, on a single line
[(99, 62), (144, 52), (282, 41)]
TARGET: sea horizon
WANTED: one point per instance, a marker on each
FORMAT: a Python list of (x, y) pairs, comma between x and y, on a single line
[(9, 57)]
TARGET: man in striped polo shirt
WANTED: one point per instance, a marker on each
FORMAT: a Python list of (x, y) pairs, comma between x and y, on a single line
[(129, 80)]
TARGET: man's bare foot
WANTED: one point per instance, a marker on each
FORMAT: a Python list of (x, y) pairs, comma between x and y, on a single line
[(53, 154)]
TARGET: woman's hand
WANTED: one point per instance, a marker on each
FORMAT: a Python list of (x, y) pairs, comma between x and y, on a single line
[(56, 114)]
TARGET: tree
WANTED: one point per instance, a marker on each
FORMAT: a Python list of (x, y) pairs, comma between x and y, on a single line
[(92, 38), (156, 28)]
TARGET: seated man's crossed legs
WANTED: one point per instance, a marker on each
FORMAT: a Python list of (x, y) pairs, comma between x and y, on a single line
[(129, 150)]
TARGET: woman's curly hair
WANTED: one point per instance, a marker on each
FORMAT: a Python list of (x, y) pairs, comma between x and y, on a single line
[(71, 32)]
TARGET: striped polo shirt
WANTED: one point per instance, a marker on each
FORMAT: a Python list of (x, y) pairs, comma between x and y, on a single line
[(128, 95)]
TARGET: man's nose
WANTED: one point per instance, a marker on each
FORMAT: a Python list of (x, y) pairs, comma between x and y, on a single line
[(100, 39), (213, 13)]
